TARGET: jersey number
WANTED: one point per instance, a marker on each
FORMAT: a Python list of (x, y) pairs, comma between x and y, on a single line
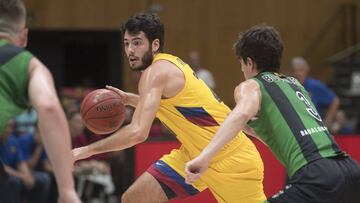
[(309, 108)]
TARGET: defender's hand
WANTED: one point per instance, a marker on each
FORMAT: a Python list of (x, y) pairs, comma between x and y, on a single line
[(195, 168)]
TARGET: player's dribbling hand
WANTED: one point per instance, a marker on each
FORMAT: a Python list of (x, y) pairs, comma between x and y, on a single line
[(122, 94), (80, 153), (195, 168)]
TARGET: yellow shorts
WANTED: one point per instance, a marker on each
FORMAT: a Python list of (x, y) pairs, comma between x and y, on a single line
[(235, 179)]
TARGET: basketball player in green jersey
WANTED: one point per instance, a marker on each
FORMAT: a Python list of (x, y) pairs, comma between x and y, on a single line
[(25, 80), (280, 112)]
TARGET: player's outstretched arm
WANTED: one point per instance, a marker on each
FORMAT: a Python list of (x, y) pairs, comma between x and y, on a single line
[(151, 88), (247, 96), (129, 99), (53, 127)]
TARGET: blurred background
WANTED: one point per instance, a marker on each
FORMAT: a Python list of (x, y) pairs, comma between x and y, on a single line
[(315, 30), (81, 43)]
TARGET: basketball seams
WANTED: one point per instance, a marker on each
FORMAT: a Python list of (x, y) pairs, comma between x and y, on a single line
[(95, 104), (112, 116), (96, 129)]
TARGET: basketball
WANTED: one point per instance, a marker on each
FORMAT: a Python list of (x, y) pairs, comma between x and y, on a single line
[(102, 111)]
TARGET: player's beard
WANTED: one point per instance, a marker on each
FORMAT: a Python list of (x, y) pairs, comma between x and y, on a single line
[(146, 60)]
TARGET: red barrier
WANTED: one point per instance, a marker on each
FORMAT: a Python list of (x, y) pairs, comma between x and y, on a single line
[(274, 174), (350, 144)]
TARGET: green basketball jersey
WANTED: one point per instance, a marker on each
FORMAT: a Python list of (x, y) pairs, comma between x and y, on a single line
[(14, 78), (289, 123)]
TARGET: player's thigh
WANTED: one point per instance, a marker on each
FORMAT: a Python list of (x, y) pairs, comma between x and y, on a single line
[(145, 189), (169, 171), (237, 178), (235, 187)]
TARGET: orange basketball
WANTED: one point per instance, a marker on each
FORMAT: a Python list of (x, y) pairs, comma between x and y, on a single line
[(102, 111)]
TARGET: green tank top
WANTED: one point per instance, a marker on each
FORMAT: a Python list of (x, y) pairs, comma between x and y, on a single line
[(289, 123), (14, 78)]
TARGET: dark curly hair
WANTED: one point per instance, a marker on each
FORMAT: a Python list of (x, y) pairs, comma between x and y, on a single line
[(149, 23), (12, 14), (263, 45)]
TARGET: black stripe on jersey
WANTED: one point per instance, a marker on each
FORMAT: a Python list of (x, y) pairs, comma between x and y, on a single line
[(331, 138), (7, 52), (307, 145)]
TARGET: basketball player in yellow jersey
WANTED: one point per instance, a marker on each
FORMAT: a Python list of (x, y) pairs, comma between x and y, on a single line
[(169, 90)]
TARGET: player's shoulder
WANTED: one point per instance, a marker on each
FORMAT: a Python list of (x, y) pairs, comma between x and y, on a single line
[(161, 68), (248, 85)]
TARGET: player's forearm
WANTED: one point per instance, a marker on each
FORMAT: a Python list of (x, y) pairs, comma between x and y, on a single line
[(56, 138), (124, 138), (132, 99), (227, 131)]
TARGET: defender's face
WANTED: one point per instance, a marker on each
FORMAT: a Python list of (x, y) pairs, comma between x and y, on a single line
[(138, 51)]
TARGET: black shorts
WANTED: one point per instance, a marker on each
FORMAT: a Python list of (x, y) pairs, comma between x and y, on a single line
[(331, 180)]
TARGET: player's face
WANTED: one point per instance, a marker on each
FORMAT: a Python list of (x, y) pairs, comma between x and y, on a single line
[(138, 51)]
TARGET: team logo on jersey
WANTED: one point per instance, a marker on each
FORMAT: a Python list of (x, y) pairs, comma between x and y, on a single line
[(268, 78), (279, 77)]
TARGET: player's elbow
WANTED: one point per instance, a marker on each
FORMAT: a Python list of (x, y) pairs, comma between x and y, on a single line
[(139, 135), (47, 107)]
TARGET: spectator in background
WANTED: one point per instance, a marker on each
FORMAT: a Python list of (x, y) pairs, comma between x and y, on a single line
[(36, 185), (26, 123), (201, 72), (324, 99), (38, 162), (341, 125)]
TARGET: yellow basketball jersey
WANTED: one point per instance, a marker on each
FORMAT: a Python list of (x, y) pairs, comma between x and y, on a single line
[(195, 113)]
